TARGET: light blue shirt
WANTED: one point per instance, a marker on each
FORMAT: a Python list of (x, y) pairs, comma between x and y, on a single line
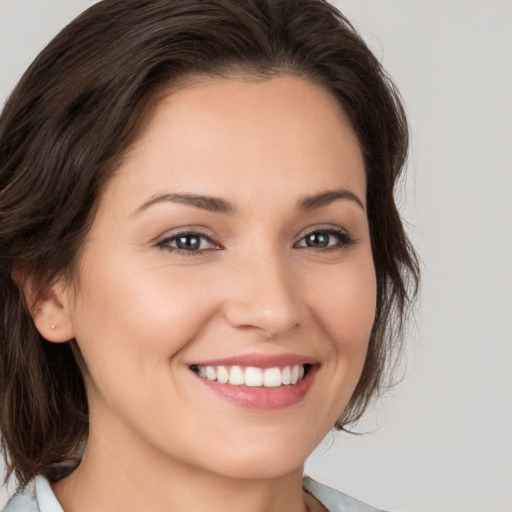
[(38, 496)]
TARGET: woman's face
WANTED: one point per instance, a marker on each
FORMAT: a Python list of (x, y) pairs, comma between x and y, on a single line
[(232, 245)]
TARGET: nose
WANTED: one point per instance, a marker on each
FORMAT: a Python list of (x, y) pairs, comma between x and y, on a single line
[(263, 297)]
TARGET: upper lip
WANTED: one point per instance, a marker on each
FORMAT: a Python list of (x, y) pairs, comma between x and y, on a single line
[(260, 360)]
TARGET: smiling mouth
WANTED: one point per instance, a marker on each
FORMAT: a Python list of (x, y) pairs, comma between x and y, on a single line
[(252, 376)]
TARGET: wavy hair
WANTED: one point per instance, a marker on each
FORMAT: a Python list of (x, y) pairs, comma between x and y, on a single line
[(76, 111)]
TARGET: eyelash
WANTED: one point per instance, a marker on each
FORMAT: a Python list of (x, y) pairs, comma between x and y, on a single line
[(344, 241), (164, 244)]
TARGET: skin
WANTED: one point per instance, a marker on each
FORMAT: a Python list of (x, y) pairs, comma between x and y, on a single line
[(142, 311)]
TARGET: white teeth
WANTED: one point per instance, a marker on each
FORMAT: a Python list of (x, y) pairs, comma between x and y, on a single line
[(272, 377), (294, 375), (236, 376), (253, 376), (286, 375), (222, 375)]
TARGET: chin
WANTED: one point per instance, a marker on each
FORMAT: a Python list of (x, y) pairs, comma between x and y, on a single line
[(269, 457), (258, 468)]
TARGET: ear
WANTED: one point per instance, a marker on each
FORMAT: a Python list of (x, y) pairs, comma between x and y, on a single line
[(48, 306)]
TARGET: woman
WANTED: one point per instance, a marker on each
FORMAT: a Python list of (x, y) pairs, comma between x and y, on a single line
[(203, 268)]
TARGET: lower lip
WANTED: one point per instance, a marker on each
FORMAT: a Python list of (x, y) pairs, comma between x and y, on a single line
[(265, 398)]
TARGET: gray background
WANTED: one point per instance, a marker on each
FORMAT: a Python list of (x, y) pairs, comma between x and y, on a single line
[(442, 440)]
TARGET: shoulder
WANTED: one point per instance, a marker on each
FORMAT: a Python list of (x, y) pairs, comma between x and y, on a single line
[(23, 501), (333, 500), (37, 496), (26, 499)]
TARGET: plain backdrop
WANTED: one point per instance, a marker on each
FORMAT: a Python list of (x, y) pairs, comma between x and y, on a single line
[(442, 440)]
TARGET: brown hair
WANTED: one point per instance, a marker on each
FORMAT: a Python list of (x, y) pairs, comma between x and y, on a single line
[(73, 115)]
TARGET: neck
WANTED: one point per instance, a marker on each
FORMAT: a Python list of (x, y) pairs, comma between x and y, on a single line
[(123, 475)]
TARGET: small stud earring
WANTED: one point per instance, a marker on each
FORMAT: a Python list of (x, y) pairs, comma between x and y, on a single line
[(52, 326)]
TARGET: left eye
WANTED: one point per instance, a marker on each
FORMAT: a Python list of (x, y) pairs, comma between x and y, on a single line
[(190, 242), (325, 239)]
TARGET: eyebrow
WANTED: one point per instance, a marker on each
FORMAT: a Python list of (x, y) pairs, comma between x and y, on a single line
[(325, 198), (219, 205), (208, 203)]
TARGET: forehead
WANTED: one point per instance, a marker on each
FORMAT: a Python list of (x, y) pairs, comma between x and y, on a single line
[(244, 137)]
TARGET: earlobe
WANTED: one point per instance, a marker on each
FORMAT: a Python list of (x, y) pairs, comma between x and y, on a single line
[(48, 307), (52, 318)]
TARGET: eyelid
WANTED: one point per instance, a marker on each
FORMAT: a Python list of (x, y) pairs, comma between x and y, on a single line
[(192, 229)]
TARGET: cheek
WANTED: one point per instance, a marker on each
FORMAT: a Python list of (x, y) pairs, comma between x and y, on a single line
[(130, 315), (345, 305)]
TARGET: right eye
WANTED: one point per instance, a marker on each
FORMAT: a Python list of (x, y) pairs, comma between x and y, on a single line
[(188, 242)]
